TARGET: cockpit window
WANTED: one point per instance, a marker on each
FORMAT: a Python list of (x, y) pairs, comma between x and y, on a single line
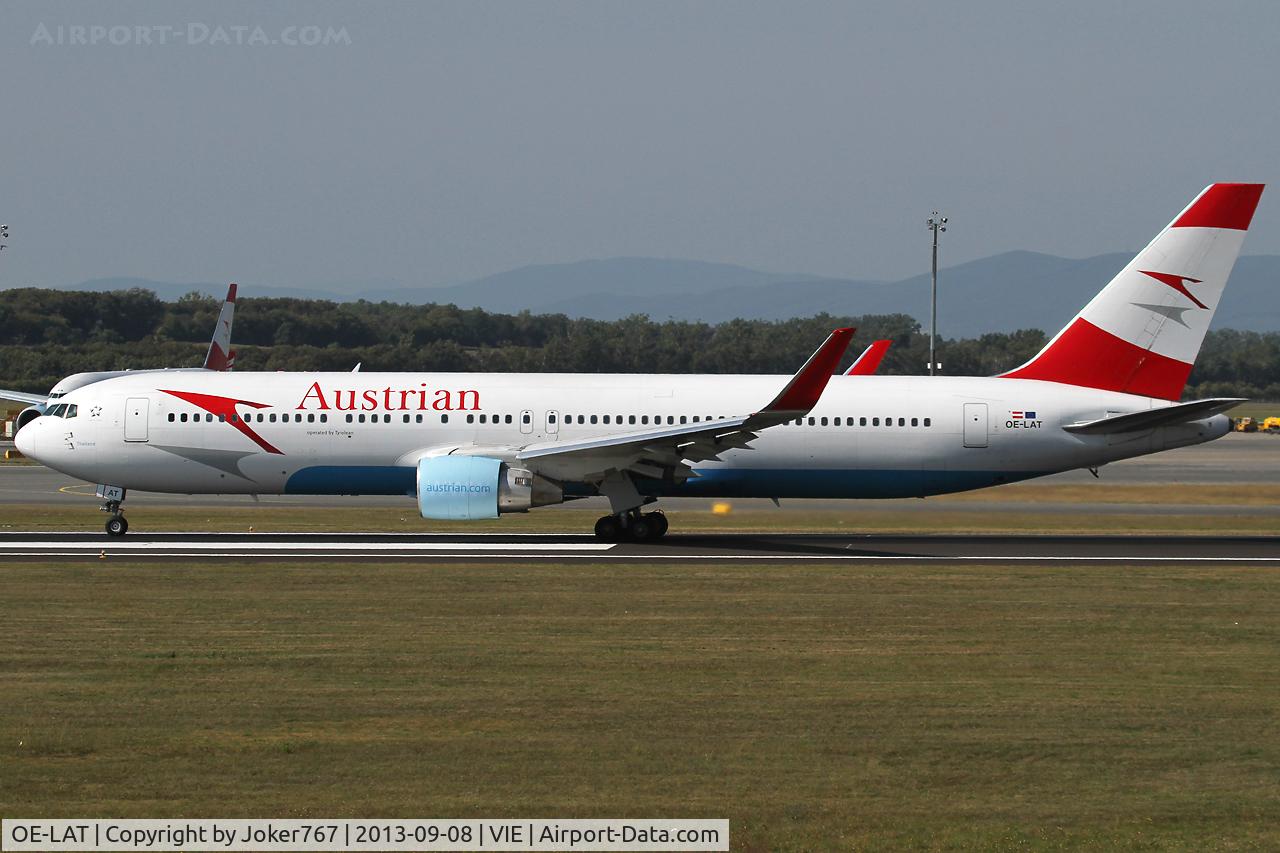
[(55, 411), (72, 411)]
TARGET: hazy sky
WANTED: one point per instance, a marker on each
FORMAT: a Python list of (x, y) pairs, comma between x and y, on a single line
[(438, 142)]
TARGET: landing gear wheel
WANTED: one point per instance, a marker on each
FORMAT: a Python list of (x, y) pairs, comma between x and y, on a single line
[(660, 524), (609, 528), (642, 528), (117, 525)]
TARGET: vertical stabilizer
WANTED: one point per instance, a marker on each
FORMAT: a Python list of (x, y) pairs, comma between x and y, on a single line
[(1142, 333)]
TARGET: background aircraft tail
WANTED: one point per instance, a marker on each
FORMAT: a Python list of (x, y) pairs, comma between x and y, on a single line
[(221, 356), (1142, 333)]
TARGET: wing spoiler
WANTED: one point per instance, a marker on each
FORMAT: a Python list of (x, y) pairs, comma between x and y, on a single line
[(1152, 418)]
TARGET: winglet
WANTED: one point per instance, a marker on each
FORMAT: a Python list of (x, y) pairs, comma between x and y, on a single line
[(804, 389), (220, 355), (866, 364)]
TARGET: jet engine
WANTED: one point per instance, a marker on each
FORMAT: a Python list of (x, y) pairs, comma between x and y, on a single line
[(453, 488), (26, 416)]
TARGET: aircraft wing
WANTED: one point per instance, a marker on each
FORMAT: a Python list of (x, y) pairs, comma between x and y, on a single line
[(221, 356), (670, 452), (1152, 418), (19, 397)]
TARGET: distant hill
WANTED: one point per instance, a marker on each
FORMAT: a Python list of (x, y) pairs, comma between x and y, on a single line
[(1001, 293)]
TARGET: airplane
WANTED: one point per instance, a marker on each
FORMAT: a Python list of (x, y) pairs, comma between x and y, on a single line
[(867, 363), (475, 446), (220, 356)]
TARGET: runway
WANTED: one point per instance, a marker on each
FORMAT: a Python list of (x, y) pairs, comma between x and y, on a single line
[(437, 548)]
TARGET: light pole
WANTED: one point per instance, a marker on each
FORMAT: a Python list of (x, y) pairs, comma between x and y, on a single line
[(936, 223)]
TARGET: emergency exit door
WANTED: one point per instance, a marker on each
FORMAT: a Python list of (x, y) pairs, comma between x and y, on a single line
[(975, 424), (135, 418)]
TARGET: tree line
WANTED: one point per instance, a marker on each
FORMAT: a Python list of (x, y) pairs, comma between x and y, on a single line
[(48, 334)]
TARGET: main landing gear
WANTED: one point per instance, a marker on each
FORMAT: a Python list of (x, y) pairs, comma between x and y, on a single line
[(632, 526)]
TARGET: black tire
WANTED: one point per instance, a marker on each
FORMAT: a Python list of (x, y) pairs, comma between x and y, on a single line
[(608, 528), (660, 524), (117, 525), (641, 529)]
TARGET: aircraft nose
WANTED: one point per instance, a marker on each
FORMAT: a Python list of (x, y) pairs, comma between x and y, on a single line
[(25, 440)]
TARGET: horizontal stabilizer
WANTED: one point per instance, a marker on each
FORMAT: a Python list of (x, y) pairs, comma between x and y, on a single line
[(1152, 418)]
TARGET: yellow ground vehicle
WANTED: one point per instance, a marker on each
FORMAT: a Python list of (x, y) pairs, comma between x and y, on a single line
[(1271, 425), (1246, 425)]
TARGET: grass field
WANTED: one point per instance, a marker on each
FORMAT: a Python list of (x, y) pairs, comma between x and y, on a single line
[(824, 707)]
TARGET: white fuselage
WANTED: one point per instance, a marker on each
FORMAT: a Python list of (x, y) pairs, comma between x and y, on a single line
[(363, 433)]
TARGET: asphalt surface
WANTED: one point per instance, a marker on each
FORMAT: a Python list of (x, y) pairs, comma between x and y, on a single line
[(523, 548)]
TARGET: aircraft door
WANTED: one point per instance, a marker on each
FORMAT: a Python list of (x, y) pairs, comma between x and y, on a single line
[(975, 424), (135, 418), (526, 421), (553, 425)]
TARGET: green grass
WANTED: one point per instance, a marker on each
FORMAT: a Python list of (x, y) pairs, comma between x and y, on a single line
[(818, 707)]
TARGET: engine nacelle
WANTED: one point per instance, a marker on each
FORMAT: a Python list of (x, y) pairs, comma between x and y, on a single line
[(459, 488), (26, 416)]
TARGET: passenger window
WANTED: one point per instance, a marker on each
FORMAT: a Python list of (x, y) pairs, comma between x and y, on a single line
[(172, 417), (696, 419), (606, 418), (417, 419), (874, 422), (444, 419), (182, 418), (471, 419), (631, 419), (386, 419), (593, 418), (222, 419), (311, 418), (915, 422), (507, 419), (671, 419), (350, 418), (888, 421), (862, 421), (902, 421), (644, 419), (928, 422), (361, 419), (406, 418), (551, 417), (261, 417), (324, 419), (526, 418), (823, 421), (813, 421), (235, 419), (272, 418), (483, 418), (835, 422), (683, 419)]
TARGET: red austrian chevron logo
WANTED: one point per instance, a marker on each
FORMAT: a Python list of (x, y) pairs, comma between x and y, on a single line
[(1178, 283), (225, 409)]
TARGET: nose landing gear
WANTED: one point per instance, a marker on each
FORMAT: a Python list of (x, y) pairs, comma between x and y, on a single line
[(117, 524), (633, 526)]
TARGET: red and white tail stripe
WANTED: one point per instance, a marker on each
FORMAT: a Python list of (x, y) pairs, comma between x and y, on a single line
[(1142, 333)]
